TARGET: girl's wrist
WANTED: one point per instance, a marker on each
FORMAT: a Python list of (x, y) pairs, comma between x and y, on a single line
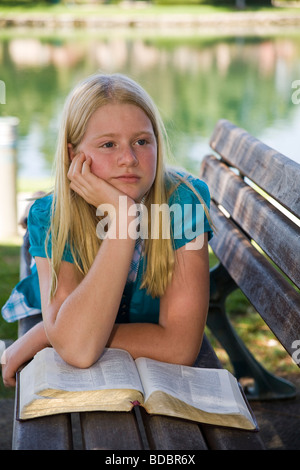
[(118, 220)]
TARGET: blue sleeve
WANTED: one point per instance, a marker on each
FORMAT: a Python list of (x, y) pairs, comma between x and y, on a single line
[(188, 216), (39, 219), (38, 225)]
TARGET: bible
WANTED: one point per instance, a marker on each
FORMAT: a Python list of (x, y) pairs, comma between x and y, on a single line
[(116, 382)]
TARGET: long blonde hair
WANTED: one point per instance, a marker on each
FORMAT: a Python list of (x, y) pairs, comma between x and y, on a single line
[(73, 220)]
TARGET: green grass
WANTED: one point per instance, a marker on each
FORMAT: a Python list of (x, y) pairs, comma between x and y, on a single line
[(9, 277)]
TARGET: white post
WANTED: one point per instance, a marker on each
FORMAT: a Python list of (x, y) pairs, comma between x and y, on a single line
[(8, 190)]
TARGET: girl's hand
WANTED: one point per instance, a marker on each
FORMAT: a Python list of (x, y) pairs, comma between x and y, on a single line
[(9, 367), (90, 187), (21, 351), (11, 360)]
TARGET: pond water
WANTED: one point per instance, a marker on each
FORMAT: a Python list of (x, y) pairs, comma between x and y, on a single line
[(194, 81)]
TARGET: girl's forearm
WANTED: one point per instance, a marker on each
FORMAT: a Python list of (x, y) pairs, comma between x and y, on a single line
[(80, 329), (21, 351), (33, 341), (156, 342)]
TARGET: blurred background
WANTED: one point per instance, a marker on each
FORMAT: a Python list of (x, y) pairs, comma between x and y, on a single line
[(194, 78)]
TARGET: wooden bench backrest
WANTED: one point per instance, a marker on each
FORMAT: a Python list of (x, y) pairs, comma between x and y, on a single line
[(258, 233)]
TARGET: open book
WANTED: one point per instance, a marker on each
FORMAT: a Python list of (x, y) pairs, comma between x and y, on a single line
[(48, 385)]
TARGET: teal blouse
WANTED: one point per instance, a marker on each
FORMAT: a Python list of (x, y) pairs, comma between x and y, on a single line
[(188, 220)]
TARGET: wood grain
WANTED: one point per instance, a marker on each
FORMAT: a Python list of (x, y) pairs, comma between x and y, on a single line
[(275, 233), (275, 173), (271, 295)]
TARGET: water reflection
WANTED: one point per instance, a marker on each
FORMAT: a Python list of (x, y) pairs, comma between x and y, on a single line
[(194, 82)]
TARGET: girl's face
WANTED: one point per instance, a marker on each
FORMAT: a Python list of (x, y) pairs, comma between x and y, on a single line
[(121, 143)]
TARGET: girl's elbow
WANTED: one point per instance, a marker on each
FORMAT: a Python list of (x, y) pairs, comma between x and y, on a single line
[(81, 353), (82, 358), (76, 360), (187, 359), (187, 355)]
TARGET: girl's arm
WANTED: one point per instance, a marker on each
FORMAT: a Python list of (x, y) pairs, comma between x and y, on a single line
[(22, 351), (177, 338), (183, 310), (80, 317), (80, 321)]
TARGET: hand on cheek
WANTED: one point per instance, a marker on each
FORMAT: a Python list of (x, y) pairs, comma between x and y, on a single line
[(90, 187), (82, 180)]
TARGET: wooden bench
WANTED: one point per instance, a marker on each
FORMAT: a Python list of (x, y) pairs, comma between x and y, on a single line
[(255, 206), (129, 431), (258, 247)]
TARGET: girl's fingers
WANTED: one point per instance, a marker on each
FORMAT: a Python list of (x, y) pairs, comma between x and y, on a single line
[(83, 181), (79, 161), (86, 166), (76, 165)]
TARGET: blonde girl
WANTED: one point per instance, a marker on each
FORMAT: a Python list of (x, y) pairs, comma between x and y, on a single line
[(148, 296)]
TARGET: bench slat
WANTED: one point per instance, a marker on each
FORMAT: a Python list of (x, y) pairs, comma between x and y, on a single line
[(270, 170), (165, 433), (271, 295), (46, 433), (276, 234), (110, 431), (232, 439)]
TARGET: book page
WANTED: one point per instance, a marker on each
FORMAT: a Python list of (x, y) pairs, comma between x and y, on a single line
[(207, 389), (114, 370)]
